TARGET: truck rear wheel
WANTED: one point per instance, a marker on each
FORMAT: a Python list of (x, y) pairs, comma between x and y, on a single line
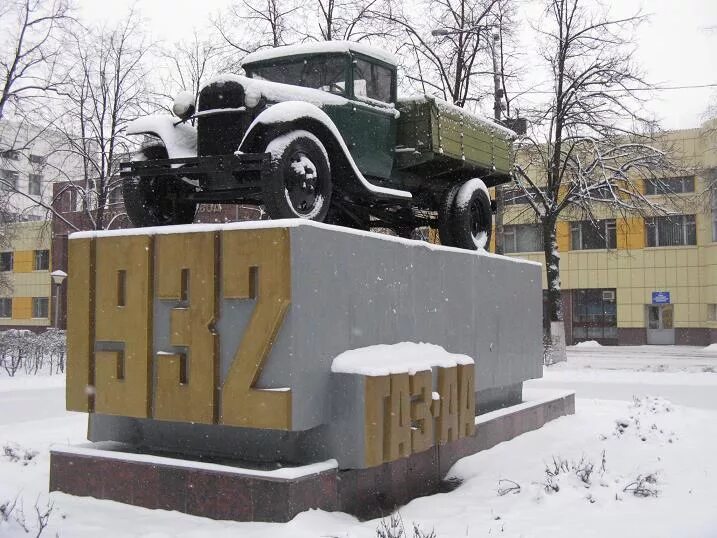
[(157, 201), (469, 219), (445, 210), (299, 185)]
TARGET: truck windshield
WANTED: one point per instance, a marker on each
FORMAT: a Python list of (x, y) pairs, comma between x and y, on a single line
[(323, 73)]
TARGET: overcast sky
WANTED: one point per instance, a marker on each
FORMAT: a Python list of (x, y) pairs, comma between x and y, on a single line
[(678, 47)]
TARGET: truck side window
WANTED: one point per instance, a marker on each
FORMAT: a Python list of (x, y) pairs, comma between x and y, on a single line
[(372, 81)]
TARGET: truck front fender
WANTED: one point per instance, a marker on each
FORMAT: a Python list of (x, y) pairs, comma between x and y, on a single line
[(290, 115), (180, 139)]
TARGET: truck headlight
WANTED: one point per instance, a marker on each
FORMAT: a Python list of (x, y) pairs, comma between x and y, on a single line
[(183, 106)]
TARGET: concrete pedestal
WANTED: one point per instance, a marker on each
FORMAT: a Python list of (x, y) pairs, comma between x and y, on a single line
[(222, 491)]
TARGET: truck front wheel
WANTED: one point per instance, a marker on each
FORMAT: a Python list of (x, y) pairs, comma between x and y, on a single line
[(157, 201), (467, 218), (299, 184)]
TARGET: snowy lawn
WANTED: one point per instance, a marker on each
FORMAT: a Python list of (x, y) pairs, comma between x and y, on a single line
[(660, 450)]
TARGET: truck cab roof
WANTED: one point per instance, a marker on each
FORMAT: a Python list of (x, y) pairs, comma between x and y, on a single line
[(324, 47)]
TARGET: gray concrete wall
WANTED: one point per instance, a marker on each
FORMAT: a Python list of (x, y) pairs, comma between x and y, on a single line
[(351, 291)]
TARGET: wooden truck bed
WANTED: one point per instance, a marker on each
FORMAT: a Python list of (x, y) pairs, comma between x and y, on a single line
[(436, 138)]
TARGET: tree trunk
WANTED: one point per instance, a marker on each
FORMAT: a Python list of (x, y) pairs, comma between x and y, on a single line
[(552, 268)]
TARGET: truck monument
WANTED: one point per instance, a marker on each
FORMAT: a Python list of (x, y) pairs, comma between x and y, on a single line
[(254, 370)]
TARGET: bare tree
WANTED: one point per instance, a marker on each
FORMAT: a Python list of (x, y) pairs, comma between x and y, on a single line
[(349, 20), (251, 25), (586, 149), (186, 65), (30, 49), (106, 88), (449, 44), (31, 34)]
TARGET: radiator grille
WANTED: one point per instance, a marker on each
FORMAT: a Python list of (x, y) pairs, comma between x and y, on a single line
[(220, 134)]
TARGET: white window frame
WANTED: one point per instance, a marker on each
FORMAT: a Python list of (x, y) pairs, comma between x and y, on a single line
[(606, 225), (652, 225), (665, 186), (510, 233), (9, 176), (35, 307), (37, 183), (34, 259), (9, 316)]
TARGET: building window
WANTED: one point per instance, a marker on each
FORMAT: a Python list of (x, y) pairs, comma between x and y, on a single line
[(35, 183), (42, 260), (519, 196), (5, 261), (671, 231), (522, 238), (589, 235), (670, 185), (6, 307), (8, 179), (40, 307), (10, 154), (594, 314), (37, 159), (604, 192), (712, 312), (115, 196)]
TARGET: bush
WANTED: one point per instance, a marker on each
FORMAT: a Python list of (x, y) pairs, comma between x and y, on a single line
[(13, 517), (394, 528), (25, 351)]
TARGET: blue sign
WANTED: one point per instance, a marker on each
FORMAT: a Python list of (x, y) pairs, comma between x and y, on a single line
[(660, 297)]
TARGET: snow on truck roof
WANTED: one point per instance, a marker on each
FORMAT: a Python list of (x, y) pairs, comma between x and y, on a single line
[(318, 48)]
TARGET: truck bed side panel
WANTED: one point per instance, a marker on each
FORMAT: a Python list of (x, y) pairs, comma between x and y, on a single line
[(437, 131)]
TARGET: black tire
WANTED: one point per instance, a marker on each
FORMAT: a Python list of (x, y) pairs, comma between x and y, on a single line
[(445, 214), (157, 201), (471, 220), (299, 185)]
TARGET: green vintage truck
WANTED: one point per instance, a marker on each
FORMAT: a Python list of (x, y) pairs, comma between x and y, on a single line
[(317, 131)]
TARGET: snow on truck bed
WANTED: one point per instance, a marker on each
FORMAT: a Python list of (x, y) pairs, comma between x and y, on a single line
[(467, 115)]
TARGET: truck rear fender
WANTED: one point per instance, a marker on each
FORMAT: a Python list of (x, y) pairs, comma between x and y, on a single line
[(180, 139), (290, 115)]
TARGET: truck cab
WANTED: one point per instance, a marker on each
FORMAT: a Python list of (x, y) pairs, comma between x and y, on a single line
[(367, 120), (317, 131)]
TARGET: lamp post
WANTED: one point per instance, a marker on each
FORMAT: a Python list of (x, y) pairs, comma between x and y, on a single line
[(58, 277)]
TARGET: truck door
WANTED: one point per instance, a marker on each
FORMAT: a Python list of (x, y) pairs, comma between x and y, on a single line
[(372, 129)]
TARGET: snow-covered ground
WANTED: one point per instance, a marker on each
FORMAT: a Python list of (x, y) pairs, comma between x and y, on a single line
[(664, 442)]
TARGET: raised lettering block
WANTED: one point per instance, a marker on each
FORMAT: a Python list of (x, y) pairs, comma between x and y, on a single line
[(222, 338)]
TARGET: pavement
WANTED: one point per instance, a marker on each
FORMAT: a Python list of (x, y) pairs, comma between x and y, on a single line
[(685, 375)]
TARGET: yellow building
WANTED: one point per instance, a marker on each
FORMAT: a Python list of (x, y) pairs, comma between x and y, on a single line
[(25, 289), (640, 280)]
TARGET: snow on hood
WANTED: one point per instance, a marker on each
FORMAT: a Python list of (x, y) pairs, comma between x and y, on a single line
[(319, 48), (277, 92), (486, 123)]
